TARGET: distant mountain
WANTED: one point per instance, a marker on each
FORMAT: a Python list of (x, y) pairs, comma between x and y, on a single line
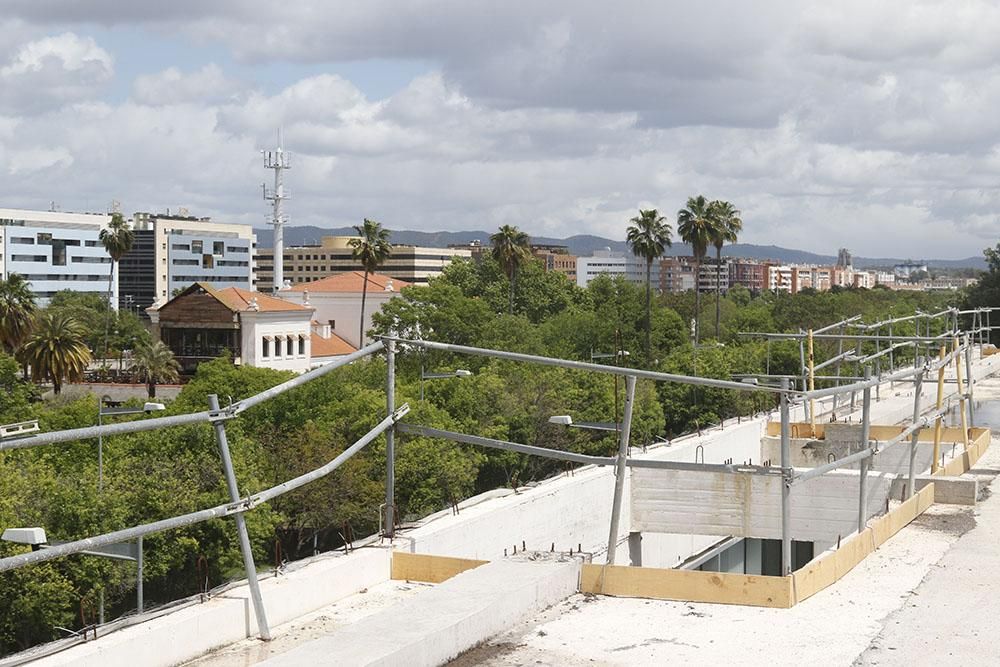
[(586, 244)]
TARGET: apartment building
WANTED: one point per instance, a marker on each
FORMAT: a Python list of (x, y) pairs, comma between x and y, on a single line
[(307, 263), (751, 274), (56, 251), (609, 263), (171, 252), (556, 258), (677, 274)]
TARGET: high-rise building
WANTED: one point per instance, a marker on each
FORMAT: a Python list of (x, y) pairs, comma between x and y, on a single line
[(171, 252), (844, 258), (56, 251), (306, 263)]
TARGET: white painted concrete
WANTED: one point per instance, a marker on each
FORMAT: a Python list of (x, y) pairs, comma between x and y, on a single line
[(192, 631), (440, 623)]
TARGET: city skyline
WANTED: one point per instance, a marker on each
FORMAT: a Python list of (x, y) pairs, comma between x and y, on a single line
[(823, 126)]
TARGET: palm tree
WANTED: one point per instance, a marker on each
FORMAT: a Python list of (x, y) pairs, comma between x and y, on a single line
[(117, 239), (17, 311), (696, 226), (155, 363), (57, 350), (511, 247), (648, 236), (728, 226), (372, 248)]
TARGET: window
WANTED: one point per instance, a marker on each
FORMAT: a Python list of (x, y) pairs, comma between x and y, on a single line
[(208, 261), (44, 238), (179, 246), (23, 240), (290, 346), (265, 348), (196, 247), (218, 248), (302, 346), (58, 252)]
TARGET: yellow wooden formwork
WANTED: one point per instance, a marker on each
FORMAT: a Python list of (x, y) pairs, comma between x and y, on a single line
[(428, 568), (686, 585)]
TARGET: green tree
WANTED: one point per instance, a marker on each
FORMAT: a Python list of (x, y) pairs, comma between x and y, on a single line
[(117, 239), (696, 225), (511, 249), (155, 363), (17, 311), (56, 350), (372, 248), (648, 236), (726, 229)]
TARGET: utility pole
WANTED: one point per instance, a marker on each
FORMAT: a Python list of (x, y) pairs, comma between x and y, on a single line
[(278, 160)]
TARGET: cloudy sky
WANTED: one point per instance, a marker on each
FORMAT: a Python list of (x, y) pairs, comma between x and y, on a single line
[(869, 125)]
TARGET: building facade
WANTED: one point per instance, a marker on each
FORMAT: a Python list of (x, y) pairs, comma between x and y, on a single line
[(202, 323), (750, 274), (303, 264), (186, 250), (556, 259), (608, 263), (336, 300), (56, 251)]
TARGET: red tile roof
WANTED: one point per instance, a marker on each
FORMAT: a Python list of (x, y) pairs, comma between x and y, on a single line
[(334, 346), (239, 299), (350, 282)]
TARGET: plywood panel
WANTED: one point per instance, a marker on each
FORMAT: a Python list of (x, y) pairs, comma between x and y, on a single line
[(724, 504), (428, 568), (829, 568), (686, 585)]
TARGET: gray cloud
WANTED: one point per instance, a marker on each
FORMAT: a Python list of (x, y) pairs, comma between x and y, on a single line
[(871, 125)]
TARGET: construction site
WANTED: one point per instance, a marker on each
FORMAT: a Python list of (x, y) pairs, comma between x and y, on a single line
[(849, 524)]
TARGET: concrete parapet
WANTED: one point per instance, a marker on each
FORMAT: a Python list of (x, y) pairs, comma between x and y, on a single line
[(439, 624)]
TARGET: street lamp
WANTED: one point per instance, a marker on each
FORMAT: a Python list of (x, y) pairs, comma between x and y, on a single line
[(108, 408), (567, 421), (458, 373), (36, 539)]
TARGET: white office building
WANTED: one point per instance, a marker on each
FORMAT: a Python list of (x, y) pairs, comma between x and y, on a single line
[(55, 251), (606, 262)]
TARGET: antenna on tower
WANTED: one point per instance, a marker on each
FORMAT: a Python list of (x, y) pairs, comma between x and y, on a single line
[(279, 161)]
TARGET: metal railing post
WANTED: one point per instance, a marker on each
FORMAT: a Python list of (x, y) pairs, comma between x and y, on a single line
[(969, 380), (139, 602), (620, 469), (241, 524), (802, 363), (786, 483), (918, 386), (390, 440), (866, 407), (936, 462)]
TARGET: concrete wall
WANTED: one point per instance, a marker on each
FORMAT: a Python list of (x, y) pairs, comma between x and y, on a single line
[(187, 633), (723, 504), (572, 511), (439, 624)]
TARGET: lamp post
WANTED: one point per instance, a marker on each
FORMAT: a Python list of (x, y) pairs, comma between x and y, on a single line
[(567, 421), (130, 551), (458, 373)]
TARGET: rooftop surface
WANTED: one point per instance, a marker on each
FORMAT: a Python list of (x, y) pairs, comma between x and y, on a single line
[(921, 598), (351, 282)]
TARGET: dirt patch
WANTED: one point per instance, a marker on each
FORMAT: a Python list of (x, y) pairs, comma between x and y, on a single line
[(958, 523), (483, 653)]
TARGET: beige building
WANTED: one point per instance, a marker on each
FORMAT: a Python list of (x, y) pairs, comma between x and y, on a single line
[(557, 259), (303, 264), (336, 301)]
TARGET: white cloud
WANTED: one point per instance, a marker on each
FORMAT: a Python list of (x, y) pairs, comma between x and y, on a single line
[(206, 85), (52, 71)]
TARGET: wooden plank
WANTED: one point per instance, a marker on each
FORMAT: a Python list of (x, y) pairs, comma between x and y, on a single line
[(829, 568), (686, 585), (429, 568)]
